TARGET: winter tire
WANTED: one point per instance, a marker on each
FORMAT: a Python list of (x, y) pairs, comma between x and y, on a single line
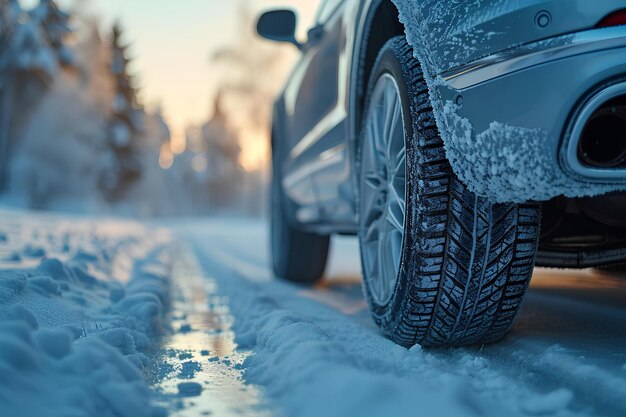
[(297, 256), (441, 266)]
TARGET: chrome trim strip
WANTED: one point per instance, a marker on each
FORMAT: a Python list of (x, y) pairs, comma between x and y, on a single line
[(328, 123), (333, 156), (526, 56)]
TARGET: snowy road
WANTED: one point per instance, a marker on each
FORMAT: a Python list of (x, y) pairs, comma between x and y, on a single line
[(316, 352), (85, 306)]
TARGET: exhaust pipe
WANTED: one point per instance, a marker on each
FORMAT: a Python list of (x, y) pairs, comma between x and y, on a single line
[(603, 141), (596, 148)]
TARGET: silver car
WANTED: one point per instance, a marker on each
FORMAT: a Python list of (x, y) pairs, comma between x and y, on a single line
[(438, 132)]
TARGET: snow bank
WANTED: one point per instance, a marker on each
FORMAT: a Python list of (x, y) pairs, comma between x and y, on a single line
[(75, 327), (45, 374), (504, 163)]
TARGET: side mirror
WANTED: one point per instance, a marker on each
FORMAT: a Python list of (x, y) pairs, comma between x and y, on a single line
[(279, 26)]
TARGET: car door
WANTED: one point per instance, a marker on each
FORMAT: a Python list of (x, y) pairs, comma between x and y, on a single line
[(311, 93), (314, 106)]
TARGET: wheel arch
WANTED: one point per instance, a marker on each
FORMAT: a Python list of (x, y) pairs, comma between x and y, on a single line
[(379, 22)]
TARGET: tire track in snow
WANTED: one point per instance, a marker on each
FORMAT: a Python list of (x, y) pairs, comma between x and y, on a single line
[(199, 366)]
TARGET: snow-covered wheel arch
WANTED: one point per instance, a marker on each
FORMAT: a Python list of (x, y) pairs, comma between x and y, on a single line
[(505, 160)]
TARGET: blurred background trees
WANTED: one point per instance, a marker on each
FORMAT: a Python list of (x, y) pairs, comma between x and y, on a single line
[(125, 126), (28, 64), (55, 26), (74, 134), (249, 73)]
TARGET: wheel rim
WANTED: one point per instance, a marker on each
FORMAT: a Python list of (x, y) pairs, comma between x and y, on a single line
[(383, 190)]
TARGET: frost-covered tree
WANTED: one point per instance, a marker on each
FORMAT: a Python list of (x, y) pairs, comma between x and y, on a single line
[(125, 126), (55, 26), (56, 157), (86, 138), (9, 14), (9, 11), (28, 66)]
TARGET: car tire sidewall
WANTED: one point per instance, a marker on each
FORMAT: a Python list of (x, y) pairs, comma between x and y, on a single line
[(278, 232)]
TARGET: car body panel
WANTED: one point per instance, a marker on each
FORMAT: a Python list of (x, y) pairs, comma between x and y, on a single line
[(456, 32), (516, 120)]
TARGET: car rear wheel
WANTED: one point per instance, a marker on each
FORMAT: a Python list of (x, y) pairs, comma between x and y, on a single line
[(297, 256), (441, 265)]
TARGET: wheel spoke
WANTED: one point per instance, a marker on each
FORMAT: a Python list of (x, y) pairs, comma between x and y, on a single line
[(382, 264), (395, 248), (370, 252), (378, 139), (394, 135), (395, 216), (390, 108), (398, 183), (370, 154), (398, 189), (399, 167), (389, 268), (374, 210), (372, 233), (372, 180)]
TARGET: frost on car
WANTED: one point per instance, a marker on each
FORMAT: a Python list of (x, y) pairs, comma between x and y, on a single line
[(464, 142)]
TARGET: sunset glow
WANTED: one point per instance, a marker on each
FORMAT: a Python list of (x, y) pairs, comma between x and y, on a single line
[(178, 141), (166, 158), (254, 149), (171, 56)]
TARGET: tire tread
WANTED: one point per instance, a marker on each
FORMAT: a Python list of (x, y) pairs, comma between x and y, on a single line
[(469, 261)]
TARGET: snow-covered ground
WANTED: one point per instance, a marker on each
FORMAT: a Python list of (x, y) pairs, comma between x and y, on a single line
[(134, 320), (80, 301), (316, 352)]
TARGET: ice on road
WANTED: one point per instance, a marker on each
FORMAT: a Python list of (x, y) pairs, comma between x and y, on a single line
[(316, 352)]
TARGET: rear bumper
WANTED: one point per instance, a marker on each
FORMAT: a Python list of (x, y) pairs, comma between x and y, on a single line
[(507, 119)]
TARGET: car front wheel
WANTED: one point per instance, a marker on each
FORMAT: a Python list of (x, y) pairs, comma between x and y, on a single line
[(441, 265)]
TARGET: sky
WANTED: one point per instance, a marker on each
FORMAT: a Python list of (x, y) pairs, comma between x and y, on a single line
[(171, 43)]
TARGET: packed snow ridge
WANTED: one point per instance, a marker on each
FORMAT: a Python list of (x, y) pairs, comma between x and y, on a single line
[(78, 309)]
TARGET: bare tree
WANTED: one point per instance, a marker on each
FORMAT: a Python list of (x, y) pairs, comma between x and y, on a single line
[(250, 73)]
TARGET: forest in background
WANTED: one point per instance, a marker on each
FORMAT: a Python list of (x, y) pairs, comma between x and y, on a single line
[(74, 135)]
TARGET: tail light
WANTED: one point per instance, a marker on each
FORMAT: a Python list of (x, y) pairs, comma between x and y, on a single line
[(614, 19)]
